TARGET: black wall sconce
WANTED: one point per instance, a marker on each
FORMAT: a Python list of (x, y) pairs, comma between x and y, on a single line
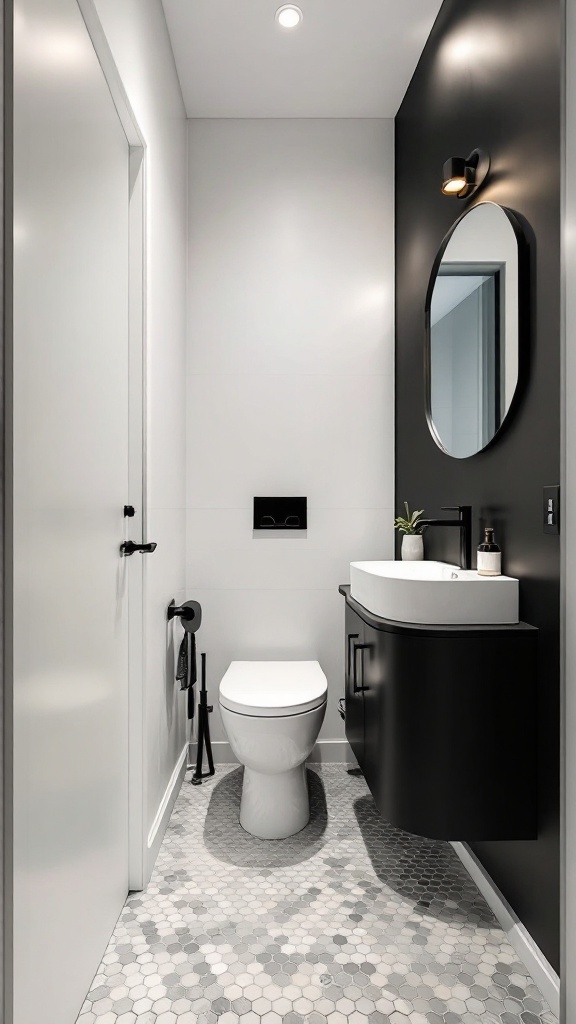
[(462, 177)]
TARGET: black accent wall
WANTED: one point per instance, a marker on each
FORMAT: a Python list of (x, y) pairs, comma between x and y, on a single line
[(489, 77)]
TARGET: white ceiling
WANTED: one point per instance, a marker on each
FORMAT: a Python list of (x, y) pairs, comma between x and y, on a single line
[(348, 58)]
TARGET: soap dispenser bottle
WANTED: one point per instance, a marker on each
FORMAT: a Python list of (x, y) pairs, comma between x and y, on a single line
[(489, 555)]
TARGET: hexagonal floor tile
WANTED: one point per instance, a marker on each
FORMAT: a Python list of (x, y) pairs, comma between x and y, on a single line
[(349, 922)]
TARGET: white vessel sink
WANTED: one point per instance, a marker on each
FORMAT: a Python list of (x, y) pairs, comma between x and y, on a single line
[(433, 592)]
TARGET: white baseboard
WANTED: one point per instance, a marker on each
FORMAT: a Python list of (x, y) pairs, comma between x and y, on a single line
[(519, 937), (156, 833), (221, 753), (332, 752), (325, 752)]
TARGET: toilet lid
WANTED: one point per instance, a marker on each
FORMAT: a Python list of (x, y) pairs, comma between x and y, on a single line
[(270, 689)]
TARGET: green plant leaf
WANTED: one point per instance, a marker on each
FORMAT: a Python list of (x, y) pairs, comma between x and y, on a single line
[(408, 525)]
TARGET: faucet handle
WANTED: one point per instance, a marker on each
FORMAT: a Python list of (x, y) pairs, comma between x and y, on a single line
[(456, 508)]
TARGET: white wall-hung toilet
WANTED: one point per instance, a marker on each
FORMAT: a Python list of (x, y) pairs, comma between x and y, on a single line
[(272, 713)]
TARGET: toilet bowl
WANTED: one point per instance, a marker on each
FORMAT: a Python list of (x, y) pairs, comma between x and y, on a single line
[(272, 713)]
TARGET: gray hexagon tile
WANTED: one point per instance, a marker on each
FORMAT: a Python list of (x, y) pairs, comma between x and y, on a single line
[(349, 922)]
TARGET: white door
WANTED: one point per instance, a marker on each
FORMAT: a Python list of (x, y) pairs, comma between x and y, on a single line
[(70, 486)]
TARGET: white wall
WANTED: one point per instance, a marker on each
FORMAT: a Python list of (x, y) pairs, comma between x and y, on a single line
[(137, 34), (290, 380)]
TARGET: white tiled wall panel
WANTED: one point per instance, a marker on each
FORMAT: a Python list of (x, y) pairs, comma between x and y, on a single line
[(277, 434), (289, 380)]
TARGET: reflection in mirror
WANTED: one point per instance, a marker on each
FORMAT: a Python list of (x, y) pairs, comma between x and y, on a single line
[(473, 331)]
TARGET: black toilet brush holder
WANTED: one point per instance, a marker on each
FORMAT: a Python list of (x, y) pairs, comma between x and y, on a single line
[(204, 710)]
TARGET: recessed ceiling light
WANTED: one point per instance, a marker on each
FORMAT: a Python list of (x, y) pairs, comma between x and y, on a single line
[(289, 16)]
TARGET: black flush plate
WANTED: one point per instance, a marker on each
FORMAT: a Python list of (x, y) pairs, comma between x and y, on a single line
[(280, 513)]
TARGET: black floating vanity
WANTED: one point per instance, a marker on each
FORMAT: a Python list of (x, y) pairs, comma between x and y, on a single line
[(442, 720)]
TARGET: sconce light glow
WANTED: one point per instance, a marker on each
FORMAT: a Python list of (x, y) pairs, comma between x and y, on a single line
[(453, 186), (289, 16)]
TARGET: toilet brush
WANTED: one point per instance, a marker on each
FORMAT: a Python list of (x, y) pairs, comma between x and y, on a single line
[(204, 709)]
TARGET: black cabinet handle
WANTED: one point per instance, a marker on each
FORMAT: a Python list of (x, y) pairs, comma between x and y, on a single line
[(351, 637), (355, 687), (129, 547)]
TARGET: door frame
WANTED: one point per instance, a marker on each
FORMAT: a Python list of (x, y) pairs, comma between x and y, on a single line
[(6, 193), (568, 512), (137, 478)]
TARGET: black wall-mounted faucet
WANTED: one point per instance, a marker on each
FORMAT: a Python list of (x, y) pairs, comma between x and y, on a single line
[(464, 524)]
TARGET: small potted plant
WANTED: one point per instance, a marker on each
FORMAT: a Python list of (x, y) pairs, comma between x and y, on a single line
[(412, 542)]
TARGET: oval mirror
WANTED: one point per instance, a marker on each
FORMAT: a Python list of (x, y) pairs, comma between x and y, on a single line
[(472, 317)]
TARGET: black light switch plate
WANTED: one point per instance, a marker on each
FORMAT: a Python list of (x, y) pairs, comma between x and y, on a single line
[(551, 509), (280, 513)]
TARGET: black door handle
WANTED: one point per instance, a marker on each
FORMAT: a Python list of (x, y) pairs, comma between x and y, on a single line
[(355, 687), (129, 547)]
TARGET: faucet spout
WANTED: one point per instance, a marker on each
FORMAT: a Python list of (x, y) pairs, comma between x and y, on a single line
[(464, 524)]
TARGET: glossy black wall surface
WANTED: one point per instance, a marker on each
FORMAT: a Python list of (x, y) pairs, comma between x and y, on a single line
[(490, 77)]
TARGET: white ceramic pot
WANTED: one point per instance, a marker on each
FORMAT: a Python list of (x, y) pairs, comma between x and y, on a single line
[(412, 547)]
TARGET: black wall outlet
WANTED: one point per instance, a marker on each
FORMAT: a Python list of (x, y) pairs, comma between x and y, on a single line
[(551, 509)]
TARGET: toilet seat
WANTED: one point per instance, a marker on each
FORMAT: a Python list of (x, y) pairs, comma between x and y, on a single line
[(272, 689)]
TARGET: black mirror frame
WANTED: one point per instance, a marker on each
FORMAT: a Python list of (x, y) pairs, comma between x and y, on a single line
[(524, 325)]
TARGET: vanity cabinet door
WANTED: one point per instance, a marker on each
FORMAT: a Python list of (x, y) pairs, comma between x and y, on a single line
[(353, 687)]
